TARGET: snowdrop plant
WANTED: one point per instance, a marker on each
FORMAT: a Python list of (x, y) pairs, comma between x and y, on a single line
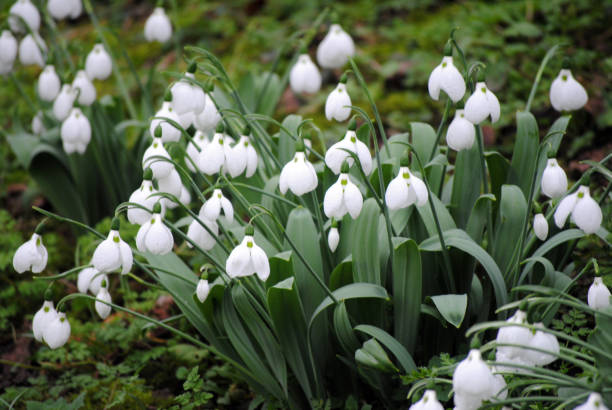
[(98, 64), (8, 51), (298, 175), (305, 76), (24, 11), (340, 152), (75, 132), (113, 253), (32, 50), (31, 255), (567, 94), (336, 48), (482, 104), (598, 296), (585, 211), (85, 88), (338, 104), (445, 77), (248, 259), (153, 236), (554, 180), (158, 26)]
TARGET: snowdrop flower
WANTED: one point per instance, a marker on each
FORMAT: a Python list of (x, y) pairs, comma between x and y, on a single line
[(217, 154), (85, 278), (202, 290), (200, 235), (307, 138), (406, 189), (31, 255), (102, 308), (517, 335), (540, 226), (158, 26), (98, 64), (64, 102), (8, 51), (447, 78), (207, 120), (169, 133), (338, 102), (244, 157), (59, 9), (336, 155), (247, 258), (187, 96), (594, 402), (96, 281), (45, 315), (32, 50), (429, 401), (28, 12), (77, 9), (170, 184), (83, 85), (566, 94), (333, 238), (38, 127), (212, 207), (305, 76), (75, 132), (160, 167), (586, 213), (142, 196), (343, 197), (336, 48), (57, 333), (49, 84), (185, 196), (554, 180), (544, 341), (473, 382), (113, 253), (461, 133), (481, 104), (500, 387), (199, 140), (154, 236), (298, 175), (599, 294)]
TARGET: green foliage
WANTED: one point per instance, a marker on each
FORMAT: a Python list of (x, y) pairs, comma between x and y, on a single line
[(195, 394)]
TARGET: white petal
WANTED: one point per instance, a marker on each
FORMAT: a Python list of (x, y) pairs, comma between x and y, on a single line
[(337, 104), (103, 309), (228, 209), (96, 282), (587, 214), (461, 133), (142, 233), (599, 294), (364, 157), (494, 108), (353, 200), (397, 194), (477, 106), (160, 167), (540, 227), (126, 257), (106, 257), (84, 279), (333, 201), (420, 190), (251, 161), (202, 290), (238, 262), (336, 155), (260, 262), (57, 333), (45, 315), (333, 239), (335, 49), (564, 208), (159, 240), (433, 85), (451, 80), (554, 180)]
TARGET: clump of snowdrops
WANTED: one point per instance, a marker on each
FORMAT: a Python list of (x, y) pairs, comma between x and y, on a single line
[(326, 274)]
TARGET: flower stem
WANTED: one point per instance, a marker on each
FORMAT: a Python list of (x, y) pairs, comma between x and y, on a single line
[(440, 128), (485, 182), (538, 77)]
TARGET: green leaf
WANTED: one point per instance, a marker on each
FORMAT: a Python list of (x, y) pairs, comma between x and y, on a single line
[(342, 274), (407, 288), (551, 146), (344, 330), (396, 148), (373, 355), (524, 157), (398, 350), (286, 144), (423, 140), (509, 227), (451, 307), (281, 268), (466, 185), (499, 168), (444, 217), (366, 266), (478, 217)]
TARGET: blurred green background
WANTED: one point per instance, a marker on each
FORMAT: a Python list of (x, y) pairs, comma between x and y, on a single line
[(118, 365)]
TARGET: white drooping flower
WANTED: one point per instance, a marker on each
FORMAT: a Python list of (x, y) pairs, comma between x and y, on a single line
[(481, 104), (169, 133), (8, 51), (154, 236), (200, 235), (187, 96), (247, 259), (429, 401), (75, 132), (336, 48), (85, 88), (199, 140), (64, 102), (145, 197), (337, 106), (103, 295), (515, 335), (49, 84), (599, 294), (244, 158), (586, 213), (45, 315), (57, 333), (97, 278), (185, 196), (98, 64), (298, 175), (38, 126), (202, 290), (500, 387), (161, 168), (461, 133), (77, 8), (170, 184), (59, 9), (26, 11), (85, 278), (333, 238), (209, 118), (304, 76), (212, 207), (336, 155), (406, 189), (447, 78), (540, 226), (594, 402), (554, 180), (217, 155), (113, 253), (343, 197), (32, 50), (473, 382), (158, 26), (543, 341), (31, 255), (567, 94)]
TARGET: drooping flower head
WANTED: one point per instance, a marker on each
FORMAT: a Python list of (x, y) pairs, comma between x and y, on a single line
[(49, 84), (208, 119), (554, 180), (75, 132), (304, 76), (461, 133), (343, 197), (85, 88), (158, 26), (333, 238), (540, 226), (31, 255), (337, 154), (482, 103), (8, 51), (217, 154), (32, 50), (203, 288), (244, 156), (160, 167), (113, 253), (406, 189), (203, 234), (447, 78), (57, 332), (143, 196), (24, 10), (336, 48), (187, 96), (594, 402), (64, 102), (45, 315), (599, 294), (429, 401), (298, 175), (585, 211), (337, 106), (169, 133), (101, 305), (473, 382), (98, 64), (567, 94), (213, 206), (154, 236), (247, 258)]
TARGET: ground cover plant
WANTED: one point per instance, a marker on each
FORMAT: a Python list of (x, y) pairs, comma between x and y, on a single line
[(390, 259)]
